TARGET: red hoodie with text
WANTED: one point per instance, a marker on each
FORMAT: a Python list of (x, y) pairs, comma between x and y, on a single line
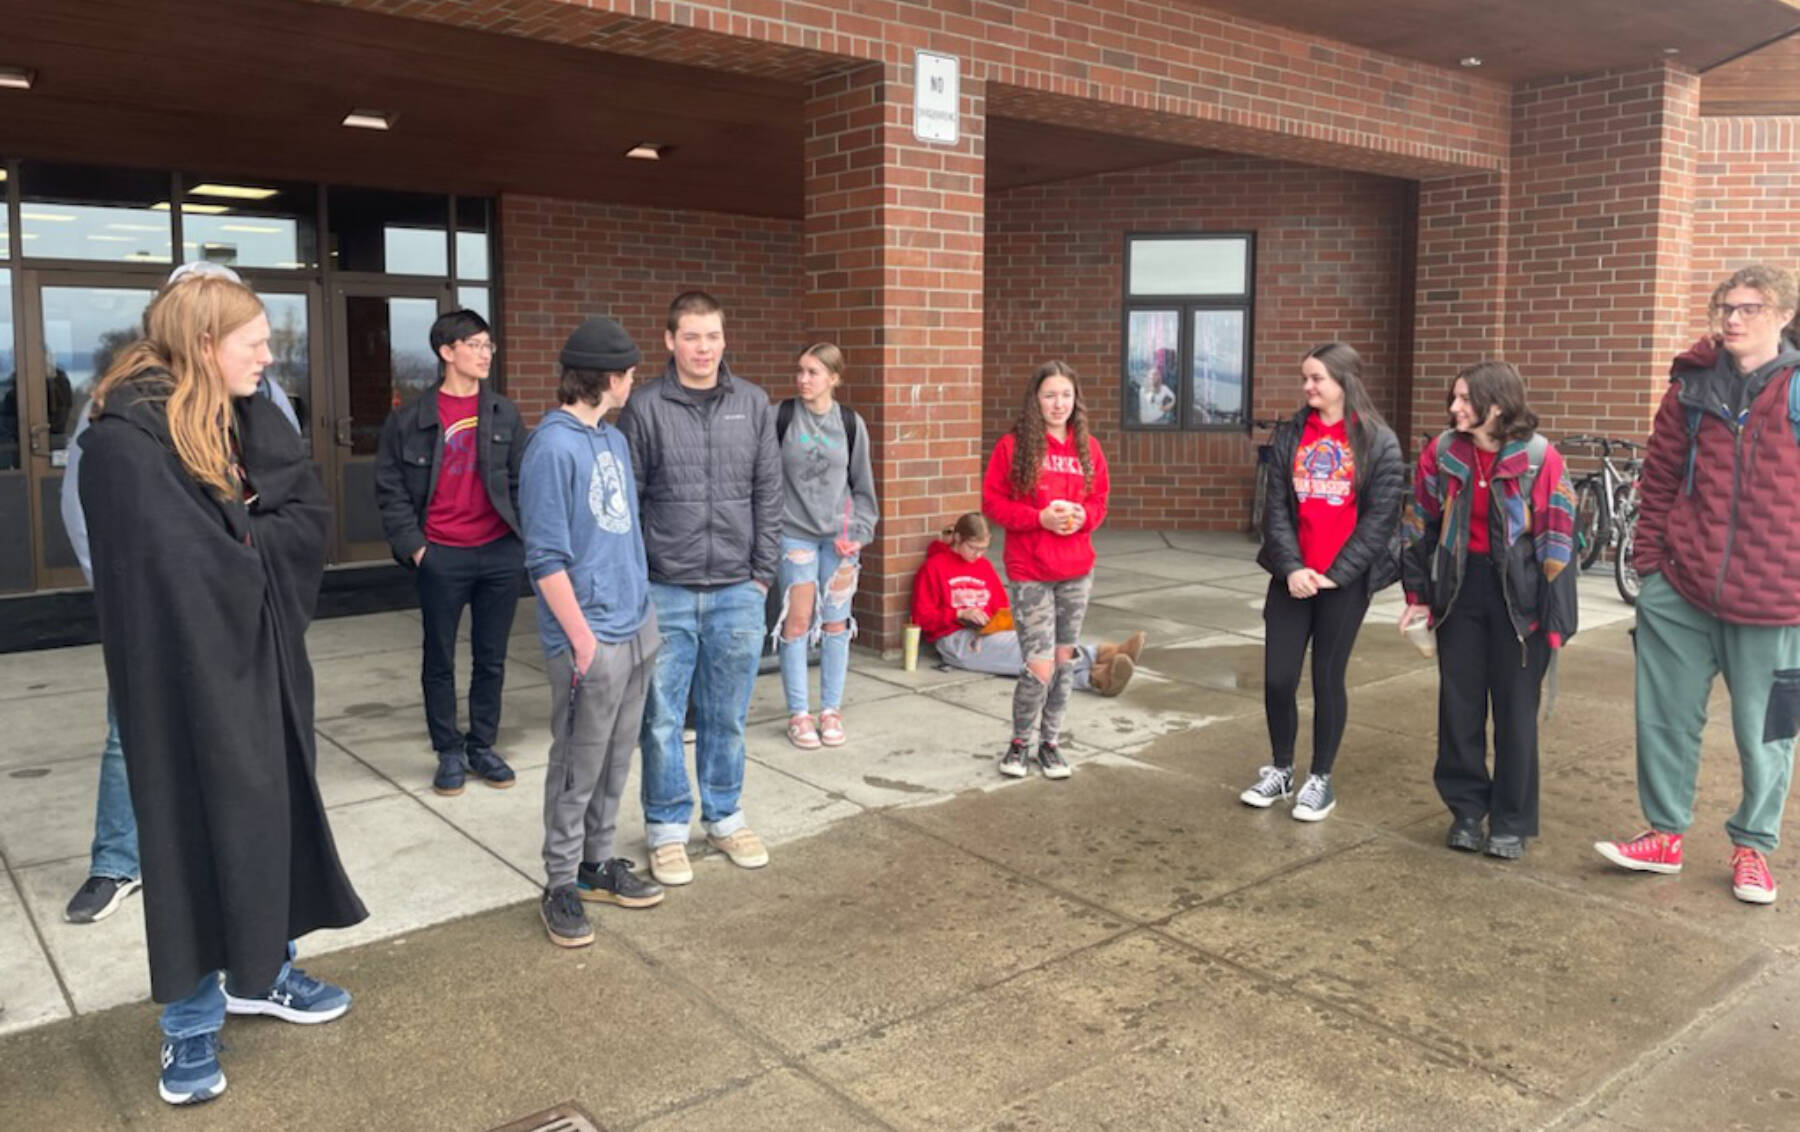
[(949, 583), (1034, 554)]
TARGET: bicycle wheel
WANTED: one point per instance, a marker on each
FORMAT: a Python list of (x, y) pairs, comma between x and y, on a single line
[(1624, 574), (1592, 522)]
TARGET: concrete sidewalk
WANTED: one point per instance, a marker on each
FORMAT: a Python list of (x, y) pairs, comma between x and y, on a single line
[(936, 947)]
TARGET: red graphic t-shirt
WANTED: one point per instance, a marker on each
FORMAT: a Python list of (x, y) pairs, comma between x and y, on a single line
[(460, 513), (1325, 486)]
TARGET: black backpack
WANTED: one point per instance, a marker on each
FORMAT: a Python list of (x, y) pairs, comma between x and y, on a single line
[(784, 416)]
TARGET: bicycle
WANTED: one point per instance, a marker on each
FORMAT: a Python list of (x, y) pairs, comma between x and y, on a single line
[(1259, 492), (1625, 516), (1601, 496)]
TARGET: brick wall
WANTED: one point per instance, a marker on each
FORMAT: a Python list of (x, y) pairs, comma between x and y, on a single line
[(1329, 249), (565, 260), (1600, 222), (1747, 175)]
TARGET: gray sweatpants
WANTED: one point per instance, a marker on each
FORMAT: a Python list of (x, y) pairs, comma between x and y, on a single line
[(590, 762), (998, 654)]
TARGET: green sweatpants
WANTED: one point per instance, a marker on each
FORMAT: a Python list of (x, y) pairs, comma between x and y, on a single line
[(1680, 649)]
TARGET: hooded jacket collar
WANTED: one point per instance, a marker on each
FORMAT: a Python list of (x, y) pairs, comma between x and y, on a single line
[(1709, 377)]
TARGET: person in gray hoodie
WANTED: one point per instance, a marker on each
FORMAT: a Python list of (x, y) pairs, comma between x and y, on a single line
[(584, 550)]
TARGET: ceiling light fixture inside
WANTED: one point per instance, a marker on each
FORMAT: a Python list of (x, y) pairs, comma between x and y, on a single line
[(1469, 61), (231, 192), (647, 151), (370, 120)]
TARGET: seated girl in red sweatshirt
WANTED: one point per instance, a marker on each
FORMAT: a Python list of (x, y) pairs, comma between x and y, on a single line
[(957, 598)]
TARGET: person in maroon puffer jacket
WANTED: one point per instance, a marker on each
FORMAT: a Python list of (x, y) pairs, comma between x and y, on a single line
[(1718, 547)]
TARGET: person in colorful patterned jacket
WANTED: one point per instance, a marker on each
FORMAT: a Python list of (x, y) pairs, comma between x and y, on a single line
[(1718, 548), (1489, 544)]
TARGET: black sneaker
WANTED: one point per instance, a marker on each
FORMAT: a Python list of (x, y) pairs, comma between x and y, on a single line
[(1506, 846), (1051, 762), (486, 764), (449, 778), (564, 917), (613, 882), (98, 898), (1015, 763), (1465, 835)]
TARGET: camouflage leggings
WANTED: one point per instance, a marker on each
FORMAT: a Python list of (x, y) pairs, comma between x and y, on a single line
[(1048, 615)]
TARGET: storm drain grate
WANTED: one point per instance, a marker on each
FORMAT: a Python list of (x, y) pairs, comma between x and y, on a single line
[(565, 1117)]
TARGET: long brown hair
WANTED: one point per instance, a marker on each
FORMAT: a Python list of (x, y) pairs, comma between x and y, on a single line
[(1494, 383), (184, 324), (1028, 432), (1363, 420)]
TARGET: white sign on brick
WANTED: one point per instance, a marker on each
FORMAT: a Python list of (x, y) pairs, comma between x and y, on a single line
[(935, 97)]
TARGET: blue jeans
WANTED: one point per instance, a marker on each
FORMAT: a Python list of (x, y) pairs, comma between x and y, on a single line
[(804, 561), (711, 643), (203, 1012), (115, 850)]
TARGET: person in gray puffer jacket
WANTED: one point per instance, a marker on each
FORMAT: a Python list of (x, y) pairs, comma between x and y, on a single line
[(708, 472)]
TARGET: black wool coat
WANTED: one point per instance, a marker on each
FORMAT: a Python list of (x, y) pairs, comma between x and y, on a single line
[(203, 605)]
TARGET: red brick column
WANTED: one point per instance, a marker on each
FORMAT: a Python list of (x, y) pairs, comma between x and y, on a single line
[(1602, 219), (893, 237), (1459, 292)]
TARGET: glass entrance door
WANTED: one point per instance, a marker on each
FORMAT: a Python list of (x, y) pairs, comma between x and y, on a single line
[(382, 360), (75, 325)]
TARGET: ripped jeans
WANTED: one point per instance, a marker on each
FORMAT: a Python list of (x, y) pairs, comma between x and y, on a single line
[(804, 561)]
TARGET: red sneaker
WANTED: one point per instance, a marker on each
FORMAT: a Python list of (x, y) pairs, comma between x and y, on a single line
[(1751, 880), (1648, 852)]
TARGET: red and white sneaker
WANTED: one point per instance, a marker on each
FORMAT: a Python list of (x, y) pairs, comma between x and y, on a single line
[(1751, 880), (1648, 852)]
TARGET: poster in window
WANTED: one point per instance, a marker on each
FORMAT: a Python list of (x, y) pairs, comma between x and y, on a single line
[(1219, 363), (1152, 369)]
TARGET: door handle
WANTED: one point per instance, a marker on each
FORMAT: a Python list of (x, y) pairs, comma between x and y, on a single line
[(40, 440), (342, 432)]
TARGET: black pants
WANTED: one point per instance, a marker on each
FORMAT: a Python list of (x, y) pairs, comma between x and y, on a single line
[(1481, 661), (1330, 619), (485, 579)]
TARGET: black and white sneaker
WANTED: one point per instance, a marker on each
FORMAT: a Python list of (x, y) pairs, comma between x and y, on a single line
[(613, 882), (564, 917), (98, 898), (1051, 762), (1315, 799), (1015, 763), (1274, 784)]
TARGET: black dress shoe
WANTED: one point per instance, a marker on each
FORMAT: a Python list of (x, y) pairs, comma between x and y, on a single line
[(1465, 834), (1506, 846)]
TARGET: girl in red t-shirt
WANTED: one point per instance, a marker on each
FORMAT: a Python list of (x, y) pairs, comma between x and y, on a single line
[(1046, 484), (1336, 485)]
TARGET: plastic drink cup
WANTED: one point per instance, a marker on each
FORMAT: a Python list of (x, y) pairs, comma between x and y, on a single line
[(1423, 638), (910, 648)]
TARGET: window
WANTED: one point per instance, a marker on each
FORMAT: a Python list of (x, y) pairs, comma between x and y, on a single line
[(1186, 361), (82, 213), (250, 223)]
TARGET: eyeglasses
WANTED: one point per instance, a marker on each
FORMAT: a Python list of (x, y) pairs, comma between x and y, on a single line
[(481, 347), (1747, 311)]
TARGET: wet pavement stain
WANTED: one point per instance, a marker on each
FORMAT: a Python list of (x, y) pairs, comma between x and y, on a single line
[(891, 784)]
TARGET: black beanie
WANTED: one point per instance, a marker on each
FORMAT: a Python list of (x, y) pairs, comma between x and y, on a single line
[(602, 344)]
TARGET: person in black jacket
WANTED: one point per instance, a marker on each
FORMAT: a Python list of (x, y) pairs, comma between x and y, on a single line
[(207, 528), (447, 481), (1336, 485), (708, 471)]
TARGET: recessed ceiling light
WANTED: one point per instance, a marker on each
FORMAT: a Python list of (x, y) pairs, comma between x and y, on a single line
[(56, 217), (1671, 51), (190, 206), (17, 78), (370, 120), (231, 192), (1469, 61), (647, 151)]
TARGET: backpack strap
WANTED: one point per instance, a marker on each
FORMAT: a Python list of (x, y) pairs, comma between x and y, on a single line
[(1694, 417), (847, 416), (1794, 403), (784, 416), (1535, 450)]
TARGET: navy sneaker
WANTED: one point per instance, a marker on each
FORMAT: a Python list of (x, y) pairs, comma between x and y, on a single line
[(297, 997), (190, 1069), (486, 764), (450, 771), (98, 898), (564, 917), (613, 882)]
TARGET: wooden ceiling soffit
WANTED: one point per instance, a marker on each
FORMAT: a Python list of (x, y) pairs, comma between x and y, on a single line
[(1331, 148)]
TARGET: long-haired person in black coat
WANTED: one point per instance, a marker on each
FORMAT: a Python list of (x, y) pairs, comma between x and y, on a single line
[(207, 525), (1336, 486)]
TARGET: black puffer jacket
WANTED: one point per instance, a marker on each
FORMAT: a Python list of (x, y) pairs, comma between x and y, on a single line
[(1380, 494), (709, 481)]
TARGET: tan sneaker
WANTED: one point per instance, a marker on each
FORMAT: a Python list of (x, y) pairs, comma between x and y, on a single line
[(669, 864), (743, 847)]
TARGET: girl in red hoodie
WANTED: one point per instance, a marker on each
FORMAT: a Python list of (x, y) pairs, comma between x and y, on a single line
[(957, 595), (1047, 485)]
